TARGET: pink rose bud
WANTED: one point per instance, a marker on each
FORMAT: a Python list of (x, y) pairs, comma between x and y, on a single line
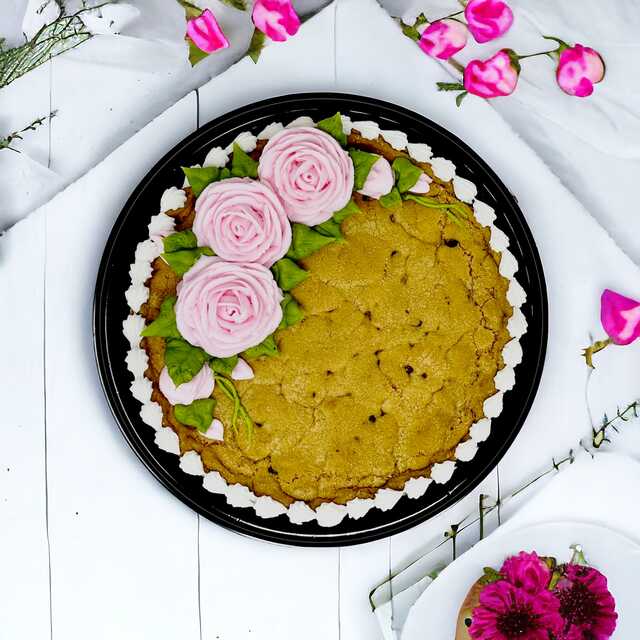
[(200, 386), (277, 19), (422, 185), (620, 317), (380, 180), (579, 68), (488, 19), (206, 32), (494, 77), (444, 38)]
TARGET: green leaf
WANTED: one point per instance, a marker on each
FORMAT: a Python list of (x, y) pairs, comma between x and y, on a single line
[(348, 210), (330, 228), (256, 45), (392, 200), (243, 165), (198, 414), (267, 347), (450, 86), (200, 177), (225, 366), (181, 261), (240, 5), (165, 324), (195, 53), (460, 97), (183, 360), (305, 241), (180, 240), (456, 212), (407, 174), (362, 163), (333, 126), (411, 32), (490, 575), (288, 274), (291, 311)]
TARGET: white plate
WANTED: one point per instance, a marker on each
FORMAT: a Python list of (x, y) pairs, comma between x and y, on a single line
[(435, 613)]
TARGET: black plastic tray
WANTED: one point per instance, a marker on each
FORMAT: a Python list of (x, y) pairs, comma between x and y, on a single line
[(110, 309)]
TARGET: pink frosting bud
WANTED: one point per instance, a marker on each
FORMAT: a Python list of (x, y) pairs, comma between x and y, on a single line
[(277, 19), (494, 77), (444, 38), (310, 171), (380, 180), (422, 185), (620, 317), (242, 371), (206, 32), (200, 386), (488, 19), (242, 220), (227, 307), (579, 68)]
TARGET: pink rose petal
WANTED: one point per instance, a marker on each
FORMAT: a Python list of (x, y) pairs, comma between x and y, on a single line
[(206, 32), (277, 19)]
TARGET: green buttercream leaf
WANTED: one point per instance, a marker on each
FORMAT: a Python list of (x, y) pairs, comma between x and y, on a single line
[(267, 347), (181, 261), (225, 366), (243, 165), (180, 240), (407, 174), (165, 324), (348, 210), (288, 274), (256, 45), (291, 311), (198, 414), (333, 126), (362, 163), (183, 360), (330, 228), (456, 212), (392, 200), (305, 241), (200, 177)]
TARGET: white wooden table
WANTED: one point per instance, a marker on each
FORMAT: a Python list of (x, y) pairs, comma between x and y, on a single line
[(90, 543)]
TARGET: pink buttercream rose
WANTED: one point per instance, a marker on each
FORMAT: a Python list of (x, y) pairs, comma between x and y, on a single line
[(579, 68), (310, 171), (488, 19), (380, 180), (497, 76), (526, 571), (206, 32), (200, 386), (242, 220), (444, 38), (277, 19), (620, 317), (227, 307)]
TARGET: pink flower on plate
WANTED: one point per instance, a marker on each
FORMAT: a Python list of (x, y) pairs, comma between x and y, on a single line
[(508, 613), (497, 76), (242, 220), (579, 68), (444, 38), (526, 571), (586, 604), (488, 19), (277, 19), (620, 317), (200, 386), (227, 307), (380, 180), (206, 32)]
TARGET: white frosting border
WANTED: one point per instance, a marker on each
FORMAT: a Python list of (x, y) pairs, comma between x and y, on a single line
[(327, 514)]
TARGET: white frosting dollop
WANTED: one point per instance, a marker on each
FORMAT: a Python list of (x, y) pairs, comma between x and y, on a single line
[(161, 225), (499, 240), (151, 414), (517, 324), (140, 272), (416, 487), (215, 483), (300, 512), (397, 139), (419, 151), (245, 140), (505, 379), (141, 389), (217, 157), (168, 440), (132, 326), (302, 121), (443, 169), (358, 507), (239, 496), (480, 430), (267, 507), (147, 250), (466, 450), (387, 498), (137, 362), (191, 463), (512, 353), (492, 406), (136, 295), (441, 472), (330, 514), (369, 130), (516, 295), (270, 130), (464, 189), (172, 199)]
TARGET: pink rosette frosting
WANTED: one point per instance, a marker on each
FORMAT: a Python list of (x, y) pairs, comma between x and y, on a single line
[(380, 180), (488, 19), (200, 386), (310, 172), (227, 307), (277, 19), (579, 68), (444, 38), (242, 220)]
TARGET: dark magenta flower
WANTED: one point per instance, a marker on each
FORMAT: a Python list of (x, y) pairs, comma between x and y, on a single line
[(526, 571)]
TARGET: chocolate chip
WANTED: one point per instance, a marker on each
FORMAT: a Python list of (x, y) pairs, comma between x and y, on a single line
[(372, 418), (272, 471), (451, 243), (367, 315), (392, 218), (423, 376), (394, 253), (329, 372), (408, 368)]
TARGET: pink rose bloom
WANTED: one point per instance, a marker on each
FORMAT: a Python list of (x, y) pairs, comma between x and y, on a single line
[(444, 38), (497, 76), (620, 317), (227, 307), (526, 571), (380, 180), (422, 185), (242, 220), (579, 68), (206, 32), (488, 19), (277, 19), (200, 386), (311, 173)]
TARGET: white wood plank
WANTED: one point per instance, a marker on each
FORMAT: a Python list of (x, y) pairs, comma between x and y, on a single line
[(24, 574), (123, 550)]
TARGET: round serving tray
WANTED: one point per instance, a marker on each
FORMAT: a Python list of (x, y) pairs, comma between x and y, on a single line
[(110, 309)]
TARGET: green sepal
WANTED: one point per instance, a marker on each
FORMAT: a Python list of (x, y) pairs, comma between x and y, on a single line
[(330, 229), (288, 274), (225, 366), (181, 261), (198, 414), (180, 240), (292, 313), (305, 241), (164, 325), (242, 164), (256, 45), (267, 347), (195, 53), (362, 163), (183, 360), (333, 126), (490, 575), (392, 200), (406, 173)]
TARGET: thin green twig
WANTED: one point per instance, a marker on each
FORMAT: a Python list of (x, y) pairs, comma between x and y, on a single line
[(7, 141)]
